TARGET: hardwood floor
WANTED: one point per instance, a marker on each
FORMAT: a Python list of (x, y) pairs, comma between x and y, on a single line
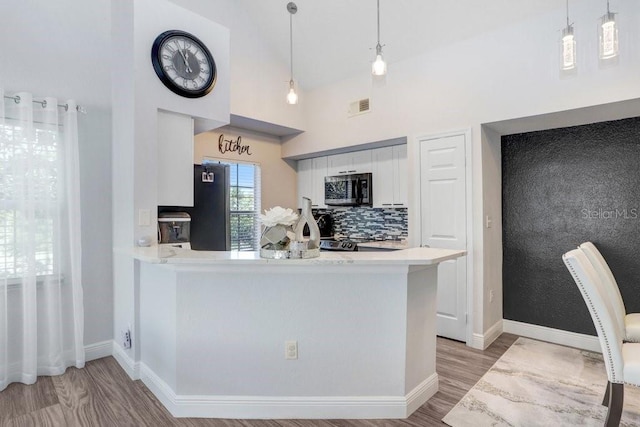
[(102, 394)]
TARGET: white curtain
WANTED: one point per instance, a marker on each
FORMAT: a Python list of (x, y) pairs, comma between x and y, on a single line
[(41, 310)]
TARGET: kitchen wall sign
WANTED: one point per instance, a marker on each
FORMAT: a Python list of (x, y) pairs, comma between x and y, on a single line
[(183, 63), (233, 146)]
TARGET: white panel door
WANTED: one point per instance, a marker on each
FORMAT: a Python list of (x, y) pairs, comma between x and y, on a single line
[(443, 225)]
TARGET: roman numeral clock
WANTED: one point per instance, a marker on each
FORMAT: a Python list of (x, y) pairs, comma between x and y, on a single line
[(183, 63)]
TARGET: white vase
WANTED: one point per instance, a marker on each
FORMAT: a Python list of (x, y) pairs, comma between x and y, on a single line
[(306, 217)]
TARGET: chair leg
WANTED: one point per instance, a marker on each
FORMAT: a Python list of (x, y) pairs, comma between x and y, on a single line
[(616, 400), (605, 399)]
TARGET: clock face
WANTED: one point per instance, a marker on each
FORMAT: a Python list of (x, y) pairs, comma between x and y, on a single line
[(183, 63)]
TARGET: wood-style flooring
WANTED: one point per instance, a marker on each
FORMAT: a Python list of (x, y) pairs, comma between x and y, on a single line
[(102, 394)]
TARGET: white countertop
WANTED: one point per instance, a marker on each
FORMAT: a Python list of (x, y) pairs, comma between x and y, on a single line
[(412, 256), (386, 244)]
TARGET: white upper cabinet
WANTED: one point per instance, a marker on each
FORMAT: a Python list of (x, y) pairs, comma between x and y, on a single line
[(175, 159), (382, 177), (319, 173), (390, 176), (400, 176), (305, 180), (311, 173), (348, 163)]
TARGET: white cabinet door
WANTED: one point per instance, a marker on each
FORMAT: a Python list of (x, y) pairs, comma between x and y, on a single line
[(319, 173), (175, 159), (338, 164), (360, 162), (389, 166), (400, 176), (383, 184), (305, 180), (443, 224), (348, 163)]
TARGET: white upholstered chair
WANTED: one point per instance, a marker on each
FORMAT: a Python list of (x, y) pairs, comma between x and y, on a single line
[(621, 359), (631, 320)]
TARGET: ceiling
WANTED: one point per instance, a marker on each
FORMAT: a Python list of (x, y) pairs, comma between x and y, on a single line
[(335, 39)]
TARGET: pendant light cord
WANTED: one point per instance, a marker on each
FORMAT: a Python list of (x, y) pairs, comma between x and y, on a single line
[(567, 13), (291, 41), (378, 45)]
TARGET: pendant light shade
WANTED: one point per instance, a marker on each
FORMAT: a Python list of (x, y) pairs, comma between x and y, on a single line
[(379, 66), (568, 60), (292, 96), (608, 36)]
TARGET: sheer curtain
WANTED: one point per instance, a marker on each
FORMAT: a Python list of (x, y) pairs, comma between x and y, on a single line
[(41, 310)]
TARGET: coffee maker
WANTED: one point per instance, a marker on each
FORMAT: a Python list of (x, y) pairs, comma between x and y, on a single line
[(174, 229)]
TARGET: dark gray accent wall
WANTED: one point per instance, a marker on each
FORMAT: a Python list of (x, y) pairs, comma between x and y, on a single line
[(562, 187)]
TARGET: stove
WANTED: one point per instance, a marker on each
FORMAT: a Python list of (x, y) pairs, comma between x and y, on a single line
[(336, 245)]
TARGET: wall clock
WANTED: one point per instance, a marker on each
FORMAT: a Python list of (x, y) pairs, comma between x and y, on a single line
[(183, 63)]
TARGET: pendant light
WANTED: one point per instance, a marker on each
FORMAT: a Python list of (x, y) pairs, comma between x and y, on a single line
[(292, 96), (568, 47), (379, 67), (608, 36)]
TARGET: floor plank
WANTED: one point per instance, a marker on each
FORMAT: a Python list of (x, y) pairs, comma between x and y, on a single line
[(103, 394), (20, 399), (125, 397), (82, 402), (51, 416)]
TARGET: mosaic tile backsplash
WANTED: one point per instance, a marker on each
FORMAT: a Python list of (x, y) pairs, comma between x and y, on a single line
[(370, 223)]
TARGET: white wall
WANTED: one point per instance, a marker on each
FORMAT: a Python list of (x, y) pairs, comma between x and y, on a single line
[(260, 78), (138, 94), (44, 52), (508, 73)]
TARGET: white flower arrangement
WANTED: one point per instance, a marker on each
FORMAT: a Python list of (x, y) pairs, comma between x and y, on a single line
[(278, 216)]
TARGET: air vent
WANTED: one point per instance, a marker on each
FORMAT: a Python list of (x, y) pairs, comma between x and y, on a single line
[(359, 107)]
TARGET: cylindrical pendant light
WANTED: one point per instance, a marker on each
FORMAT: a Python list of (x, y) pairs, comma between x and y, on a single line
[(568, 59), (608, 36)]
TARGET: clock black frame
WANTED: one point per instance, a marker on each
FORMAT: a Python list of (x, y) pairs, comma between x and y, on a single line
[(167, 81)]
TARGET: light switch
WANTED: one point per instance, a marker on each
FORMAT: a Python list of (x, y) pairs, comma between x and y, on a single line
[(489, 221), (144, 217)]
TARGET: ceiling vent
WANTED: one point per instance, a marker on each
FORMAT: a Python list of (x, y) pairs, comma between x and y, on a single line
[(359, 107)]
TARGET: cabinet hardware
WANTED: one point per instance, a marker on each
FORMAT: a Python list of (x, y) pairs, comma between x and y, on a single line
[(352, 171), (386, 204)]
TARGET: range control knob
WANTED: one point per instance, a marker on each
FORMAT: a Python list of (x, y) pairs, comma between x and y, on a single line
[(349, 245)]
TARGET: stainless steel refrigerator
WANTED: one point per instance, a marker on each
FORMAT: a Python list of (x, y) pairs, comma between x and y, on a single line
[(210, 218)]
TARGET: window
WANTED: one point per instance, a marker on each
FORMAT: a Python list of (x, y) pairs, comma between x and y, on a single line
[(244, 206), (28, 199)]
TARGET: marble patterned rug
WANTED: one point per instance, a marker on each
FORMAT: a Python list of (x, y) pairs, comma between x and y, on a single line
[(540, 384)]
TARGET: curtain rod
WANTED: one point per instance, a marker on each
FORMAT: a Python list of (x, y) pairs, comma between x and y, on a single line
[(79, 108)]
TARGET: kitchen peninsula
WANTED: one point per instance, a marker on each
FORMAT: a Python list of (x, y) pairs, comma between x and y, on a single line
[(233, 335)]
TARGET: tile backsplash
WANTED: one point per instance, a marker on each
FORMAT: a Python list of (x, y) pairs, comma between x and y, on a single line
[(370, 223)]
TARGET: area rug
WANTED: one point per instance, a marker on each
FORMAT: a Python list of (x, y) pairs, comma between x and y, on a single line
[(540, 384)]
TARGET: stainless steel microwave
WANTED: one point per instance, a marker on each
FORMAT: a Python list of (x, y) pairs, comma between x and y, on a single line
[(348, 190)]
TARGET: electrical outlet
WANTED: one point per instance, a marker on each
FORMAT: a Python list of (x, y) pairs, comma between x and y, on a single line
[(126, 338), (291, 350), (491, 295)]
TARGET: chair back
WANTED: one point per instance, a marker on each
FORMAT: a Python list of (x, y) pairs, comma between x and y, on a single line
[(607, 278), (610, 334)]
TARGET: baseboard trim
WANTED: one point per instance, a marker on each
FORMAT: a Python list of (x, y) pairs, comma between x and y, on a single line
[(288, 407), (556, 336), (98, 350), (131, 367), (482, 341)]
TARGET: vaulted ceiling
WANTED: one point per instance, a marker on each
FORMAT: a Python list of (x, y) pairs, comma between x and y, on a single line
[(335, 39)]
